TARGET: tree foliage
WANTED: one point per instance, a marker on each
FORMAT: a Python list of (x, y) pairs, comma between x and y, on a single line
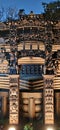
[(52, 10), (11, 13), (28, 127), (1, 13)]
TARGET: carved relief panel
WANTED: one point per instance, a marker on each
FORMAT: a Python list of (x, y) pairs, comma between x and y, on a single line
[(48, 100), (14, 100)]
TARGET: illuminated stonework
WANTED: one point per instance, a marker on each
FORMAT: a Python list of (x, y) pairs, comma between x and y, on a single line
[(29, 49), (14, 100), (48, 100)]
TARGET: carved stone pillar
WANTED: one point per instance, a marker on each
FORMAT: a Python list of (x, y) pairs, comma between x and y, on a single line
[(4, 105), (31, 107), (14, 100), (57, 104), (48, 100)]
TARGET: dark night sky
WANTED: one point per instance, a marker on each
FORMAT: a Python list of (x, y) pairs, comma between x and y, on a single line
[(28, 5)]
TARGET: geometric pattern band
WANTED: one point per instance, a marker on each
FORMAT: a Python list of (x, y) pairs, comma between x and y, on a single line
[(14, 100), (48, 100)]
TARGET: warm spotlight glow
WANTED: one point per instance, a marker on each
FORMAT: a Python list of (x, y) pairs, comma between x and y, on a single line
[(12, 128), (49, 128)]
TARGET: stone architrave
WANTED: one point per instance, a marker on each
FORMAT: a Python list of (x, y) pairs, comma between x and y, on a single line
[(14, 100), (48, 100)]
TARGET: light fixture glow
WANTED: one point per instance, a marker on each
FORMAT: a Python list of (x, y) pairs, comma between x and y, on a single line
[(12, 128), (49, 128)]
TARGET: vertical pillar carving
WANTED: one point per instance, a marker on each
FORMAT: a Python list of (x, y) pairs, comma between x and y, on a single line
[(14, 100), (31, 107), (48, 99), (57, 96), (4, 109)]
